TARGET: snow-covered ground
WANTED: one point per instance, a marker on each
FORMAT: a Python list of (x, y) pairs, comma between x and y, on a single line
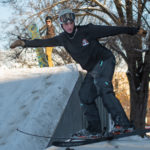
[(130, 143), (29, 97), (33, 100)]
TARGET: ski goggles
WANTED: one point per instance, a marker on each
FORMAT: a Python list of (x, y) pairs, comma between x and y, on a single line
[(67, 17)]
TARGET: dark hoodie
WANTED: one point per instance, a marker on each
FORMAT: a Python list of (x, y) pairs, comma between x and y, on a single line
[(83, 45)]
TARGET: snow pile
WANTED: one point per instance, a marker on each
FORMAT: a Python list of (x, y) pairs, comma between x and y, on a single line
[(30, 97), (33, 100)]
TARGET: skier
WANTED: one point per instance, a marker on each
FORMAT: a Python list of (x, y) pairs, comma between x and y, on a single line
[(49, 34), (81, 42)]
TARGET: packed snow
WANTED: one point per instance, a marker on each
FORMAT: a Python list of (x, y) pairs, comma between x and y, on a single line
[(24, 92), (33, 100)]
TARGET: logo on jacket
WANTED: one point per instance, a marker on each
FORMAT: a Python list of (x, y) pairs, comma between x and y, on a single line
[(85, 42)]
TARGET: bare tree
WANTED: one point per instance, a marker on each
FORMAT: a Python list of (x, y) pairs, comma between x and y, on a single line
[(129, 13), (27, 12)]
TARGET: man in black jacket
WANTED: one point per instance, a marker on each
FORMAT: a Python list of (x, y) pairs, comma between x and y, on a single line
[(81, 42)]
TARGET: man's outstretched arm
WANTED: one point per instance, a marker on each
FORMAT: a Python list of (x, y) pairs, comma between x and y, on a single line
[(98, 31), (55, 41)]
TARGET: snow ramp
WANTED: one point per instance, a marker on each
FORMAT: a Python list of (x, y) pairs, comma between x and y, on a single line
[(34, 102)]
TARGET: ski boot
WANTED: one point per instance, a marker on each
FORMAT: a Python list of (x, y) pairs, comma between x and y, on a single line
[(121, 126), (92, 131), (85, 134)]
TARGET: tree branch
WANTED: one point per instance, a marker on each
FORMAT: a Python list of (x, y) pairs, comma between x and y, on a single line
[(146, 22), (119, 52), (141, 7), (119, 10), (105, 10), (129, 12), (48, 8), (91, 14)]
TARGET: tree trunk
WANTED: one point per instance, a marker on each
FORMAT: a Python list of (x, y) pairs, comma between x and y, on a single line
[(138, 81), (138, 103), (139, 88)]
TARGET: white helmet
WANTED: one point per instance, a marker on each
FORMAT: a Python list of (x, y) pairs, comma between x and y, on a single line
[(65, 16)]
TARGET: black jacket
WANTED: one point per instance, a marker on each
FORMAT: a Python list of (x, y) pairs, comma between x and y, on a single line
[(84, 46)]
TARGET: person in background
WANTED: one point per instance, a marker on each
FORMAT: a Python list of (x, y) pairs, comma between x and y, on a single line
[(50, 33)]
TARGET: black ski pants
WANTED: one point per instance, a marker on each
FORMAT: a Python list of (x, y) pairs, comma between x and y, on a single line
[(98, 82)]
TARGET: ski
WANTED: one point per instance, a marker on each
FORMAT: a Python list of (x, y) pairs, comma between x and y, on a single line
[(83, 141)]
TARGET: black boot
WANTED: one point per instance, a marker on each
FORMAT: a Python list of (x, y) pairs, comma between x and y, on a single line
[(93, 130), (122, 125), (121, 121), (94, 126)]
